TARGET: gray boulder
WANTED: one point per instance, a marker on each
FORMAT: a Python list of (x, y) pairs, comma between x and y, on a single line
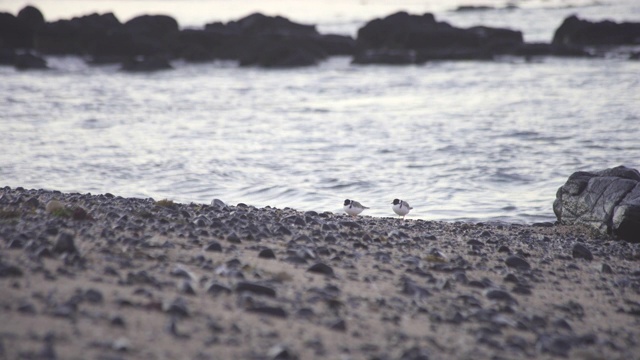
[(608, 200)]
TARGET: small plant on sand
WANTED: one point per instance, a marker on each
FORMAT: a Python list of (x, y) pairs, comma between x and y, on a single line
[(8, 214), (61, 212), (165, 203), (143, 214)]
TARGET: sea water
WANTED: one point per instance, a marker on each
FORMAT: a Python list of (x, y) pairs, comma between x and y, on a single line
[(459, 140)]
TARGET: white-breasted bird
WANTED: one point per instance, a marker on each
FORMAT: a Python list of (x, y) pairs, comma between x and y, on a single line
[(400, 207), (353, 207)]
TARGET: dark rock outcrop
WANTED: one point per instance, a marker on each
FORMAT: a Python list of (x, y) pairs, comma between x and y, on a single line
[(264, 41), (390, 40), (103, 36), (575, 31), (78, 36), (29, 61), (608, 200), (17, 32), (31, 16)]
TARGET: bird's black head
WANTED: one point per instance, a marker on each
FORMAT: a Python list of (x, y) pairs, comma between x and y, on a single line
[(396, 201), (347, 202)]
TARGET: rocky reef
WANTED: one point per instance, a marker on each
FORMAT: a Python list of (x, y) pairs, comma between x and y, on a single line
[(149, 42)]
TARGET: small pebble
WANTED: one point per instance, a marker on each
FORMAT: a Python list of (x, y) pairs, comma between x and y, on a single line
[(269, 310), (64, 243), (213, 246), (93, 296), (580, 251), (321, 268), (255, 289), (517, 262), (267, 254)]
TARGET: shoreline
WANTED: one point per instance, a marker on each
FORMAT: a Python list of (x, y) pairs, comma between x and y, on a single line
[(101, 276)]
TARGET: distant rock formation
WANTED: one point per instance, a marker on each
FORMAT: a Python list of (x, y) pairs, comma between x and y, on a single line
[(267, 41), (275, 41), (608, 200), (404, 38), (578, 32)]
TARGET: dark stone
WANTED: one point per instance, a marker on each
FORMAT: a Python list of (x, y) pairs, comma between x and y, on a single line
[(511, 278), (269, 310), (255, 289), (562, 324), (338, 325), (172, 328), (607, 200), (26, 308), (177, 307), (93, 296), (27, 61), (558, 345), (415, 353), (475, 242), (321, 268), (497, 294), (575, 31), (201, 221), (409, 287), (281, 352), (65, 244), (186, 288), (580, 251), (67, 309), (213, 246), (606, 269), (218, 289), (522, 289), (267, 254), (118, 320), (9, 270), (350, 224), (179, 271), (572, 308), (517, 262), (295, 259), (233, 238)]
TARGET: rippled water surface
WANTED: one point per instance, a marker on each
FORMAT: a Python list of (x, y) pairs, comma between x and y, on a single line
[(458, 140)]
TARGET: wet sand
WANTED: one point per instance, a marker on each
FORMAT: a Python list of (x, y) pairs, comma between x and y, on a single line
[(104, 277)]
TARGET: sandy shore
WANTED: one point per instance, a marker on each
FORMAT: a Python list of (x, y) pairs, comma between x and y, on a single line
[(104, 277)]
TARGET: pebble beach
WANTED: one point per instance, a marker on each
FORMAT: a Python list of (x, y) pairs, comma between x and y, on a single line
[(87, 276)]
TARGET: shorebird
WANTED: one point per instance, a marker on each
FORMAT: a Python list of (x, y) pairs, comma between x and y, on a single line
[(353, 207), (400, 207)]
